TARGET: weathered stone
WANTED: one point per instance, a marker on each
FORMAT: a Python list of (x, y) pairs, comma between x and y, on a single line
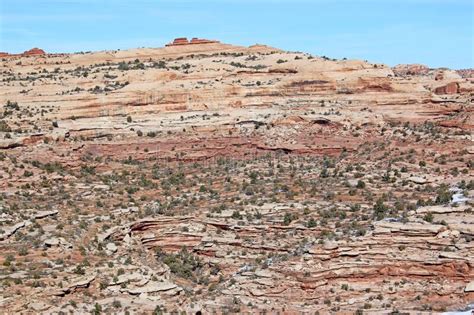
[(418, 180), (469, 287), (80, 282), (151, 287), (111, 248), (39, 306), (57, 241), (450, 88)]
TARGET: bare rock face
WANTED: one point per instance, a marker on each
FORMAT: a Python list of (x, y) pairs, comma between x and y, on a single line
[(450, 88), (184, 41), (34, 52), (213, 178), (27, 53)]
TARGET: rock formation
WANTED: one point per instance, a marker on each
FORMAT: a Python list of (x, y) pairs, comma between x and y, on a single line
[(466, 73), (412, 69), (27, 53), (184, 41), (213, 178), (450, 88), (34, 52)]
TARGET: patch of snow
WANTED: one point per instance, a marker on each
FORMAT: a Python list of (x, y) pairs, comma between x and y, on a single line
[(458, 196), (470, 312)]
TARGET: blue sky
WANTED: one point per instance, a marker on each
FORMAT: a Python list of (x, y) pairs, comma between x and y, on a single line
[(438, 33)]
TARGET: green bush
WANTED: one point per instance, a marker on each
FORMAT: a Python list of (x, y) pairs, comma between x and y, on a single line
[(182, 264), (444, 196), (311, 223), (379, 209), (360, 184)]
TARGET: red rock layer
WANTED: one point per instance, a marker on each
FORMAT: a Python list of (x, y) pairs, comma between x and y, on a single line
[(450, 88), (184, 41), (32, 52)]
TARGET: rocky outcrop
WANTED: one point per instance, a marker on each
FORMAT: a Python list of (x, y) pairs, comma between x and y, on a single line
[(194, 41), (78, 283), (450, 88), (152, 288), (57, 242), (410, 69), (9, 231), (34, 52), (27, 53)]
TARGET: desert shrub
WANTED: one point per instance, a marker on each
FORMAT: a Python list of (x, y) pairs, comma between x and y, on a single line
[(288, 218), (4, 126), (182, 264), (380, 209), (123, 66), (151, 134), (360, 184), (443, 196), (311, 223), (428, 217)]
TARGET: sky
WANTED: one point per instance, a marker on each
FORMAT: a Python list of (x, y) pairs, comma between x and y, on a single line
[(438, 33)]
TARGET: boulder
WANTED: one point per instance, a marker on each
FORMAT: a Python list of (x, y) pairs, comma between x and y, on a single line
[(111, 248), (418, 180)]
